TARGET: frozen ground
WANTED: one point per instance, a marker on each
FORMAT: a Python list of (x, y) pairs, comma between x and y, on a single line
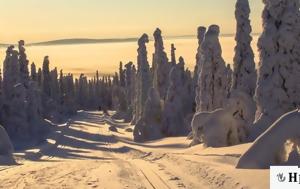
[(87, 154)]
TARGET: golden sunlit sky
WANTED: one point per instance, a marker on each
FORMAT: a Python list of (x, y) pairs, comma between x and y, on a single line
[(40, 20)]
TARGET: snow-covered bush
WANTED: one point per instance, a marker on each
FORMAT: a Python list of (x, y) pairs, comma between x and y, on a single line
[(219, 128), (149, 126), (278, 87), (278, 145)]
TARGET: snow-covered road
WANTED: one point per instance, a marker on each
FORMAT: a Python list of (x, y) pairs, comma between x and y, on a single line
[(86, 154)]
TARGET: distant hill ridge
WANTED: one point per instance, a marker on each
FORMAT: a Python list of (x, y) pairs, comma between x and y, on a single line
[(74, 41)]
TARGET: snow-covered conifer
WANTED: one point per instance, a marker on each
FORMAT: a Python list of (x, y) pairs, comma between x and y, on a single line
[(46, 78), (23, 63), (244, 73), (148, 126), (213, 82), (278, 87), (143, 81), (160, 65), (33, 72), (200, 35)]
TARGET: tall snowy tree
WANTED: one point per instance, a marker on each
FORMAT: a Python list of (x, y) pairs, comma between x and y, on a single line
[(54, 85), (23, 64), (197, 69), (121, 75), (173, 115), (243, 84), (39, 77), (173, 55), (160, 65), (278, 87), (46, 78), (244, 73), (143, 81), (213, 82), (33, 72), (148, 126), (11, 72)]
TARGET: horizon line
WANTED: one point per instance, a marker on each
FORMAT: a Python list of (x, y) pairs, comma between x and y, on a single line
[(82, 40)]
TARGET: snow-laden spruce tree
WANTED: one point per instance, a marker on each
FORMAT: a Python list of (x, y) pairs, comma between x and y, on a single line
[(128, 80), (200, 35), (173, 55), (82, 93), (39, 77), (33, 72), (46, 78), (129, 89), (160, 65), (23, 64), (34, 108), (54, 85), (229, 73), (278, 87), (148, 126), (213, 82), (121, 75), (11, 73), (244, 73), (17, 119), (173, 115), (143, 80)]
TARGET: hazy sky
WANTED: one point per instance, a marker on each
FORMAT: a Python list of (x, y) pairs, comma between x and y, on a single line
[(38, 20)]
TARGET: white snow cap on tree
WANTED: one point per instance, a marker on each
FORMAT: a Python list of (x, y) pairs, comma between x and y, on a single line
[(213, 82), (278, 87), (244, 73)]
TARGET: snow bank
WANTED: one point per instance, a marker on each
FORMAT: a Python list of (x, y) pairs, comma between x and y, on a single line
[(271, 147), (220, 128)]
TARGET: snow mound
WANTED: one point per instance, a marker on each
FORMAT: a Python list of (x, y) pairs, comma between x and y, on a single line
[(219, 128), (277, 145)]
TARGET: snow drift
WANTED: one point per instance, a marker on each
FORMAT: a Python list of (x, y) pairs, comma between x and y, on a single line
[(278, 145)]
